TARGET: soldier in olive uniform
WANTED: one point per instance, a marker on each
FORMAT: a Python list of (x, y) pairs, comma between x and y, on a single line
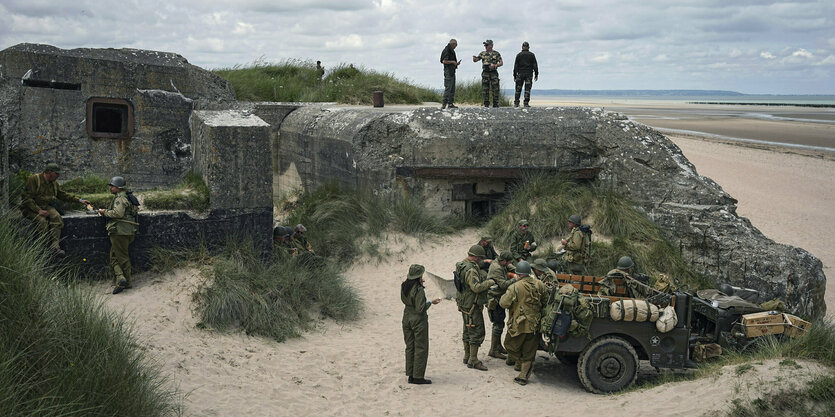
[(499, 273), (416, 324), (523, 242), (490, 254), (544, 274), (576, 247), (523, 301), (471, 303), (121, 227), (39, 193), (299, 241), (607, 285), (490, 62)]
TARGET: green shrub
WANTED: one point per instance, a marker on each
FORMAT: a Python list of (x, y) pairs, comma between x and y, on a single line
[(191, 194), (274, 297), (470, 92), (61, 352), (295, 80)]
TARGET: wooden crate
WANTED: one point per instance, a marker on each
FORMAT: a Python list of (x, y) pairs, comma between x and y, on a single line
[(795, 326), (764, 323)]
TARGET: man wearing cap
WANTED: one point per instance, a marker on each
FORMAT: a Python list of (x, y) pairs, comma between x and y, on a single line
[(499, 273), (576, 247), (544, 274), (416, 324), (490, 254), (523, 301), (471, 301), (490, 62), (39, 193), (451, 63), (525, 71), (121, 227), (523, 242)]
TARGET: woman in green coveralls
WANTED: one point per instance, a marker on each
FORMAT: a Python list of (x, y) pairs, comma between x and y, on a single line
[(416, 324)]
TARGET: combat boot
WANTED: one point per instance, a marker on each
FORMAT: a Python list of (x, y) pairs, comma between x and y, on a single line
[(474, 361), (509, 361), (522, 378), (518, 366), (466, 353), (495, 352)]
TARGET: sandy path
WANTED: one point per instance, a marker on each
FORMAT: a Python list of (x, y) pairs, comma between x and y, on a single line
[(789, 197), (357, 368)]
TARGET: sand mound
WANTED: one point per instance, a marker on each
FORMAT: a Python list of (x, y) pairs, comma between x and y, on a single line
[(357, 368)]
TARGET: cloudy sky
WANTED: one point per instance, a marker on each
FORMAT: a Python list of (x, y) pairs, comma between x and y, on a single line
[(751, 46)]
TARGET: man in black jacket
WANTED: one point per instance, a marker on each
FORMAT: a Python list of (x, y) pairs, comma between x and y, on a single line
[(451, 63), (525, 71)]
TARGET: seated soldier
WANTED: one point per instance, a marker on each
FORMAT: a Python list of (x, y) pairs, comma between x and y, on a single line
[(523, 242), (282, 239), (634, 288), (544, 274), (299, 241), (37, 199)]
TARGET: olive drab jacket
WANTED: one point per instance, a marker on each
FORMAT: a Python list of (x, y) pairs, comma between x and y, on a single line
[(121, 215), (548, 277), (498, 274), (520, 245), (523, 301), (475, 285), (38, 193), (415, 302), (576, 247)]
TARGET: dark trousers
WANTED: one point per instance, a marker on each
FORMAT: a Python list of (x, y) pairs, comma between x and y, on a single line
[(527, 80), (120, 258), (449, 86), (416, 336)]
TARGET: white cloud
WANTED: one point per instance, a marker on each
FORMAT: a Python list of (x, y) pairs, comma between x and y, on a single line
[(802, 53), (349, 42), (767, 55), (601, 58), (242, 28)]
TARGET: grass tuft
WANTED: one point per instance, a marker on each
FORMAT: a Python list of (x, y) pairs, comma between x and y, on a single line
[(61, 352), (191, 194)]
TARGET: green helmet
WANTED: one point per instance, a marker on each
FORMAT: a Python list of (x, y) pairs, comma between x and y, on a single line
[(523, 222), (52, 167), (540, 265), (476, 250), (506, 256), (523, 268), (575, 218), (117, 182), (625, 262)]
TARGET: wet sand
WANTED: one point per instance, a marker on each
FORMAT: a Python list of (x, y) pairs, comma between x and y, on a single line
[(792, 125)]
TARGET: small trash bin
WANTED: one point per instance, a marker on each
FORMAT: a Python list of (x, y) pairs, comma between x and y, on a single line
[(377, 98)]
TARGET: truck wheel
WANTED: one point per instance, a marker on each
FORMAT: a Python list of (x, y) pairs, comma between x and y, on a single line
[(607, 365), (567, 358)]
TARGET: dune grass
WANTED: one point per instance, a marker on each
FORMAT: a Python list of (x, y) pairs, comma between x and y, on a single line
[(278, 297), (61, 352), (295, 80), (619, 229), (191, 194), (470, 92)]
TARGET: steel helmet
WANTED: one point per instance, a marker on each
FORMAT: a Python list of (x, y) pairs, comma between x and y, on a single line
[(118, 182), (523, 268), (476, 250), (625, 262), (575, 218)]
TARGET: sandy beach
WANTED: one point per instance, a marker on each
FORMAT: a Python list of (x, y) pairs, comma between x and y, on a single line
[(357, 368)]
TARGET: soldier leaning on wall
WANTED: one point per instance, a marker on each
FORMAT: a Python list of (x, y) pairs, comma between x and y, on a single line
[(38, 204)]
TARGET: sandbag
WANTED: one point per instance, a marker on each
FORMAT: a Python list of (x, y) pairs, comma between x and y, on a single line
[(667, 320), (633, 310)]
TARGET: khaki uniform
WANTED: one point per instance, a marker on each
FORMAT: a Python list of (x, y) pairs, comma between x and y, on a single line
[(121, 227), (576, 252), (519, 242), (300, 242), (38, 194), (498, 273), (523, 301), (416, 330), (489, 253), (471, 303), (548, 277), (607, 285)]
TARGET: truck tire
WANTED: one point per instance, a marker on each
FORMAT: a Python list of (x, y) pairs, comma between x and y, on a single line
[(607, 365)]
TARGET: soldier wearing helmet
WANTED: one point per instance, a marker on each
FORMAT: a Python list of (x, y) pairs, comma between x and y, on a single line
[(544, 273), (523, 301), (490, 254), (500, 273), (576, 247), (299, 240), (39, 194), (121, 227), (471, 300), (623, 271), (523, 242)]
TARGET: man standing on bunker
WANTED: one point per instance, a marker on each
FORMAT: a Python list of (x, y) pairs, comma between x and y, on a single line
[(525, 71), (451, 64), (490, 62)]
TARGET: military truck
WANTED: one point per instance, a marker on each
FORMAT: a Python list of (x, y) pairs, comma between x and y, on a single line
[(608, 359)]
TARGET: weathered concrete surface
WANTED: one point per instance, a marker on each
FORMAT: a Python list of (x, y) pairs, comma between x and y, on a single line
[(87, 244), (44, 93), (232, 152), (387, 151)]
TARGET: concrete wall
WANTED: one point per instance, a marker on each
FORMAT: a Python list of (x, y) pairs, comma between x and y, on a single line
[(47, 89)]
